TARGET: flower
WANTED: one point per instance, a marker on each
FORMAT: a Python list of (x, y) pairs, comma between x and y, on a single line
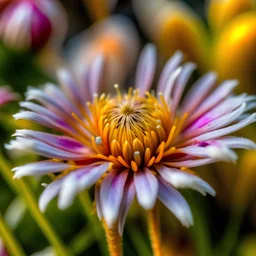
[(138, 143), (6, 95), (30, 25), (116, 39), (225, 45)]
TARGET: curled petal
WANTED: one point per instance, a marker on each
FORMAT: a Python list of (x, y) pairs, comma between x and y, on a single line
[(146, 188), (39, 168), (237, 142), (216, 151), (49, 193), (181, 179)]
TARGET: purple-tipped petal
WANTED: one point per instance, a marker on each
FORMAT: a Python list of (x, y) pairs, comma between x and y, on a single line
[(193, 162), (175, 202), (146, 69), (146, 188), (90, 174), (213, 99), (129, 194), (227, 130), (111, 195), (33, 146), (193, 98), (207, 123), (61, 142), (181, 179)]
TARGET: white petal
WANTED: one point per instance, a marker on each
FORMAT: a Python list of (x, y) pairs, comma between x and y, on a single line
[(39, 168), (68, 191), (49, 193), (175, 202), (111, 195), (171, 65), (129, 194), (146, 185), (146, 69), (181, 179)]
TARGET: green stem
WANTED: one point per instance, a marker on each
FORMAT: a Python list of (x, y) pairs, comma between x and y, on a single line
[(230, 236), (199, 230), (31, 204), (10, 241), (82, 241), (95, 226), (138, 240)]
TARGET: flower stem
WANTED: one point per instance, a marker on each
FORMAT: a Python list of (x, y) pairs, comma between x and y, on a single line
[(114, 240), (10, 242), (154, 231), (31, 204), (87, 206)]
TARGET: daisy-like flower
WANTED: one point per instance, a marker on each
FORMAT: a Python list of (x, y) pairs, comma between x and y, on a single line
[(137, 143)]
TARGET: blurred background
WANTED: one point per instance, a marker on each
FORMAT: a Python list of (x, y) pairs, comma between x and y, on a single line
[(38, 37)]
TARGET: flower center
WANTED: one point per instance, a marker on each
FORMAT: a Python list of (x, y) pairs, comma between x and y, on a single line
[(130, 130)]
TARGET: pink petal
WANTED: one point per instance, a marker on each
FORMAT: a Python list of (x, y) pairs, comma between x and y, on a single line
[(146, 69)]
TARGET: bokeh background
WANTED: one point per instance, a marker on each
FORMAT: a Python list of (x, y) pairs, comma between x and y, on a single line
[(216, 35)]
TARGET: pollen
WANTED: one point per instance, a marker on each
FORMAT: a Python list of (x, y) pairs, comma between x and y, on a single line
[(130, 130)]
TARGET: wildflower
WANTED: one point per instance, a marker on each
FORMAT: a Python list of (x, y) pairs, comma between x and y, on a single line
[(6, 95), (116, 39), (138, 143), (30, 25)]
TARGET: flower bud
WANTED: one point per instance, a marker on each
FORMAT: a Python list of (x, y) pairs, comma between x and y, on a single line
[(174, 26), (116, 40), (235, 51), (29, 25), (7, 95), (220, 12)]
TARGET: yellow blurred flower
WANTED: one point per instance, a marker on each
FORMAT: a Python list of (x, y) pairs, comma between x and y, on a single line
[(227, 46)]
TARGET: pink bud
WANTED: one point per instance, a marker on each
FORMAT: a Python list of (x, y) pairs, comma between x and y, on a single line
[(28, 24)]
